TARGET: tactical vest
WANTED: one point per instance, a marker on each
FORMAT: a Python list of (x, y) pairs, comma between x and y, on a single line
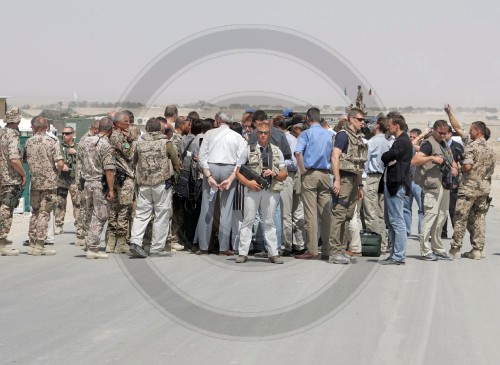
[(357, 153), (255, 163), (429, 175), (152, 160), (70, 160)]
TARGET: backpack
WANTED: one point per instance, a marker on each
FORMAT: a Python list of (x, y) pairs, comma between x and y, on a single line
[(188, 185)]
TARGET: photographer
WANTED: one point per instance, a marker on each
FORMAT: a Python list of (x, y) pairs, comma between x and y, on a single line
[(435, 167), (264, 160)]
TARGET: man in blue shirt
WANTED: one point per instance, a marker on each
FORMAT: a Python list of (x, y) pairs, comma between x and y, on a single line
[(313, 151), (373, 201)]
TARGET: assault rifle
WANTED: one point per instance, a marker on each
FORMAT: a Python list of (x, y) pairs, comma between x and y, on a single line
[(250, 175)]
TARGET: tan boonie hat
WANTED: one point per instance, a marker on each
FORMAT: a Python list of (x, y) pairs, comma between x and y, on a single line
[(12, 116)]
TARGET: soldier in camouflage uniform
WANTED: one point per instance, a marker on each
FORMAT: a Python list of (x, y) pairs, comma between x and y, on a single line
[(152, 158), (12, 177), (97, 169), (66, 181), (42, 154), (119, 218), (472, 199), (81, 227), (172, 132)]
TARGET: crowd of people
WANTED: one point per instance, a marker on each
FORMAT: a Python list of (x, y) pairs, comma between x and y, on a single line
[(268, 187)]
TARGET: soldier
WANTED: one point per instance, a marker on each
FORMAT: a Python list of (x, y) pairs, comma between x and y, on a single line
[(348, 159), (119, 218), (66, 181), (152, 157), (266, 160), (472, 200), (12, 176), (174, 124), (434, 178), (43, 155), (81, 228), (98, 166)]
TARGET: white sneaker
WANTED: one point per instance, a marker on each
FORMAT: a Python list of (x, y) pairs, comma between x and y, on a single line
[(96, 255), (177, 247)]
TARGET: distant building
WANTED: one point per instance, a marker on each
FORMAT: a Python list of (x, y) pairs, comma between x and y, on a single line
[(3, 106)]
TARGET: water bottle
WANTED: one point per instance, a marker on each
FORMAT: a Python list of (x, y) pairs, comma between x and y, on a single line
[(212, 193)]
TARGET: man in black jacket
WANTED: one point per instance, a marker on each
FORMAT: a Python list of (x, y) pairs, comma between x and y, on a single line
[(458, 156), (395, 185)]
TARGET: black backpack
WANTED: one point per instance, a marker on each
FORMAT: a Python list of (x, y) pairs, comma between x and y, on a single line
[(188, 185)]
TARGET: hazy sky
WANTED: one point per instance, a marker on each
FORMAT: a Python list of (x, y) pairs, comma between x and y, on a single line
[(412, 52)]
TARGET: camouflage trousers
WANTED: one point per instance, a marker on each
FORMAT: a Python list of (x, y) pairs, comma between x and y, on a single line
[(470, 215), (42, 203), (81, 220), (6, 213), (62, 195), (97, 213), (121, 207)]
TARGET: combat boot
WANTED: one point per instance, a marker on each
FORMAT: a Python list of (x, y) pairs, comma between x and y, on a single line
[(40, 249), (121, 245), (79, 242), (473, 254), (7, 251), (31, 248), (455, 252), (96, 255), (58, 230), (110, 242)]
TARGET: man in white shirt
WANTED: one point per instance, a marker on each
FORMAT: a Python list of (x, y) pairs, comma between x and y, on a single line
[(219, 153)]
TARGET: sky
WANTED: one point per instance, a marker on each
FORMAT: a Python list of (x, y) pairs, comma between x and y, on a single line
[(420, 53)]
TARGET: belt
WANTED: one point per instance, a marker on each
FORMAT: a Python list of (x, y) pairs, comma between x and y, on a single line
[(312, 168), (375, 173)]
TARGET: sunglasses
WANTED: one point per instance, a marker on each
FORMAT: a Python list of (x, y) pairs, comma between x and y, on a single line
[(67, 133), (263, 132), (359, 119)]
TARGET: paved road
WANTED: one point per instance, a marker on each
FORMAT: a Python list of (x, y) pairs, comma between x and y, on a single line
[(188, 309)]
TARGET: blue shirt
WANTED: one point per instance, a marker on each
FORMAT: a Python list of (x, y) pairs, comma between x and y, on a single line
[(315, 144), (377, 146)]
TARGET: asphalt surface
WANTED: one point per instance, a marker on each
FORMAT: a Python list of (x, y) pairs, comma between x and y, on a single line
[(188, 309)]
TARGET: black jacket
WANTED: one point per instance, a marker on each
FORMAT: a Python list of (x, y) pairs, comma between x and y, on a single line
[(397, 165)]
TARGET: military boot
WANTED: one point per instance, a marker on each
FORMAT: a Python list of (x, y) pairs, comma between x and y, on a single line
[(58, 230), (79, 241), (110, 242), (121, 245), (455, 252), (473, 254), (40, 249), (7, 251), (32, 245)]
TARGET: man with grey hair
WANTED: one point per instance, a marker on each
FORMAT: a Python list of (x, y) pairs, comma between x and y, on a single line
[(219, 153), (119, 218)]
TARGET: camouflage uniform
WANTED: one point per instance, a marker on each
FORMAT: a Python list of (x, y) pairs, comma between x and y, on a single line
[(10, 180), (81, 227), (119, 218), (96, 155), (472, 197), (153, 156), (67, 183), (42, 153)]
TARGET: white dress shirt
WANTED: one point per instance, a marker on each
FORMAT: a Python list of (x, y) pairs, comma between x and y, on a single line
[(221, 145)]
